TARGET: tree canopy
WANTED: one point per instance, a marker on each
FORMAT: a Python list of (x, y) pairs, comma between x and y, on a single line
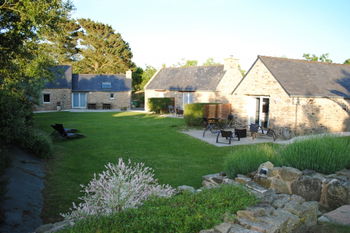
[(322, 58), (347, 61), (23, 64)]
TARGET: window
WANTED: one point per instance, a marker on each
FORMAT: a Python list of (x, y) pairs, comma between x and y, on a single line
[(111, 96), (187, 98), (106, 85), (46, 98)]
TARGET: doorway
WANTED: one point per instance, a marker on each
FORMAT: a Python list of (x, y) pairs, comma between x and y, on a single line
[(79, 99), (258, 111)]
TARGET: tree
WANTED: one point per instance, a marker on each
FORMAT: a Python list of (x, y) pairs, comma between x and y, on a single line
[(347, 61), (210, 62), (186, 63), (137, 78), (23, 64), (63, 45), (102, 50), (323, 58), (147, 75)]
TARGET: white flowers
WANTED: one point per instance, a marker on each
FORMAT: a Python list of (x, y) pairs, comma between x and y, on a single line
[(119, 187)]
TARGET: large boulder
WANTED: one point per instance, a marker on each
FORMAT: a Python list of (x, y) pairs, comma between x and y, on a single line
[(336, 194), (308, 187), (338, 216), (289, 173)]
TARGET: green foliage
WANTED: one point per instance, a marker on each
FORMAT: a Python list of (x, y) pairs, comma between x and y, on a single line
[(159, 105), (137, 78), (323, 58), (210, 62), (323, 154), (347, 61), (326, 154), (194, 114), (102, 50), (24, 66), (37, 142), (183, 213), (247, 159), (186, 63), (147, 75)]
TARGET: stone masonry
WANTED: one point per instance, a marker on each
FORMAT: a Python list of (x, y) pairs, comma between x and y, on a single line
[(300, 114), (63, 95), (120, 100)]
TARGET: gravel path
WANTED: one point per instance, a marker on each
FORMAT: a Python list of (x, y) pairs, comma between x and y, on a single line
[(23, 200)]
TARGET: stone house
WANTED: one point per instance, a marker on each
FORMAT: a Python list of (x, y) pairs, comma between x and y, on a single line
[(81, 91), (302, 96), (198, 84)]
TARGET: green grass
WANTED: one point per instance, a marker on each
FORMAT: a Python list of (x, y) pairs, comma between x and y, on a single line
[(182, 213), (177, 159)]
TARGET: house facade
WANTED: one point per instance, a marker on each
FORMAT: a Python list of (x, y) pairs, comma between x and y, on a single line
[(302, 96), (83, 91), (199, 84)]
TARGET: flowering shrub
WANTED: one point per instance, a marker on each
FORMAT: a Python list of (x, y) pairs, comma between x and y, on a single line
[(119, 187)]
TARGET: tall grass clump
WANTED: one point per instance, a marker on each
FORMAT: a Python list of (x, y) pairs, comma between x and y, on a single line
[(248, 159), (326, 154)]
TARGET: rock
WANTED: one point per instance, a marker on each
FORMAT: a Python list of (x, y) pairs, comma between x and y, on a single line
[(279, 185), (267, 168), (186, 188), (254, 225), (239, 229), (344, 172), (310, 213), (336, 194), (44, 228), (242, 179), (323, 219), (297, 198), (263, 181), (209, 184), (295, 208), (308, 172), (229, 181), (216, 178), (293, 221), (254, 212), (308, 187), (207, 231), (281, 202), (340, 215), (223, 227), (289, 173)]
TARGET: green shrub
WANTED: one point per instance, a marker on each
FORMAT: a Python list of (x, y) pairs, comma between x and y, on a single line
[(37, 142), (326, 154), (247, 159), (159, 105), (182, 213), (194, 114)]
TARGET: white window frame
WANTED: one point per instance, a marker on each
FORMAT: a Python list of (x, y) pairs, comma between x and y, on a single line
[(106, 83), (111, 97), (49, 98), (189, 97), (252, 106)]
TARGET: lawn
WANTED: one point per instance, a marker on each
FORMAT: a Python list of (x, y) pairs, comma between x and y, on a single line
[(176, 158)]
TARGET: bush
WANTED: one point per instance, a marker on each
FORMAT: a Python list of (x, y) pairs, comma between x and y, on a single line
[(186, 212), (159, 105), (247, 159), (326, 154), (37, 142), (119, 187), (194, 114)]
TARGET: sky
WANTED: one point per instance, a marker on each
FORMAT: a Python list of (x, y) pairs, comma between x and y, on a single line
[(167, 31)]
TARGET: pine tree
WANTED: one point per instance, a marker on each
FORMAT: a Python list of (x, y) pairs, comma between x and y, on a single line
[(102, 49)]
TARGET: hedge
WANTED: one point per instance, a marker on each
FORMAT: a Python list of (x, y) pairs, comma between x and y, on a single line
[(159, 105)]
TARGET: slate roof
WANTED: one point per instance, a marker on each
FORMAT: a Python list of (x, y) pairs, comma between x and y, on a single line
[(62, 77), (307, 78), (204, 78), (93, 82)]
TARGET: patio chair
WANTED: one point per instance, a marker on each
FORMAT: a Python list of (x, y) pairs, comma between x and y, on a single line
[(66, 133), (254, 129), (179, 111), (171, 109), (229, 135)]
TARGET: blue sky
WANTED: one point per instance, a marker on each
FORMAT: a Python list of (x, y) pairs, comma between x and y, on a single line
[(166, 31)]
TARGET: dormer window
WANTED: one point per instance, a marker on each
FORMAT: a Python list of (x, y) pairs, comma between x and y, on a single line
[(106, 85)]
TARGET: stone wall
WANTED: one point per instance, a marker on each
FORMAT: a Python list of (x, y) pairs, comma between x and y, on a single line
[(120, 100), (331, 191), (198, 97), (301, 115), (56, 95)]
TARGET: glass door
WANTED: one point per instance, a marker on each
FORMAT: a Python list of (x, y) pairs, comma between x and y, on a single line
[(258, 111), (79, 100)]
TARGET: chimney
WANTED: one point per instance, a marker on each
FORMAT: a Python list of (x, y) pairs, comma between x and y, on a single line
[(128, 74), (231, 63)]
